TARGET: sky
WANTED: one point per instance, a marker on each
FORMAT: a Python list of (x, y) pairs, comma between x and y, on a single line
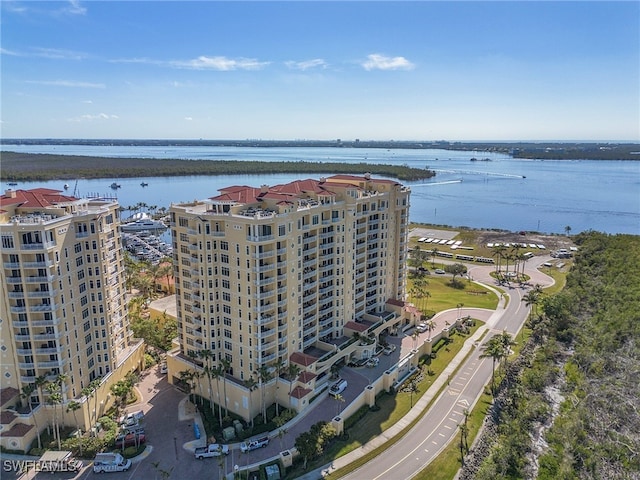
[(443, 70)]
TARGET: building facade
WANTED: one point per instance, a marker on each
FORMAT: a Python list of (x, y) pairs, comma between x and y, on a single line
[(269, 276), (63, 313)]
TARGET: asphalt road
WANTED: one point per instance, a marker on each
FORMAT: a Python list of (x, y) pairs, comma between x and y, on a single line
[(406, 458)]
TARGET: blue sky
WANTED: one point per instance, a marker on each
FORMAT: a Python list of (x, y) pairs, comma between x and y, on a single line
[(321, 70)]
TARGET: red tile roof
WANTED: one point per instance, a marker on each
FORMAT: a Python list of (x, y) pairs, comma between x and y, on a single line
[(358, 327), (397, 303), (300, 392), (302, 359), (7, 394), (36, 197), (18, 430), (306, 377), (6, 417)]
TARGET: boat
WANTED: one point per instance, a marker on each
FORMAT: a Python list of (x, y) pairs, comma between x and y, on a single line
[(142, 225), (13, 184), (66, 186), (144, 184), (115, 185)]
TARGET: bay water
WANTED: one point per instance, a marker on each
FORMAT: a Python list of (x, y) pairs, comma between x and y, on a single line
[(494, 191)]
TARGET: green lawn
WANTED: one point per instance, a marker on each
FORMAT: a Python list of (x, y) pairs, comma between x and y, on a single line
[(444, 297)]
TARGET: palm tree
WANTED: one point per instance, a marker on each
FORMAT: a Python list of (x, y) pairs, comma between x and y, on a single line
[(224, 368), (531, 299), (216, 373), (493, 349), (95, 384), (251, 385), (340, 400), (281, 433), (72, 407), (293, 370), (431, 325), (498, 252), (434, 253), (278, 365), (27, 391), (55, 399), (567, 230), (264, 375), (507, 342), (40, 382), (211, 372)]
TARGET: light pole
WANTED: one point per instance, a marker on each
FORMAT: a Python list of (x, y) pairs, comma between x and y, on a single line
[(235, 471)]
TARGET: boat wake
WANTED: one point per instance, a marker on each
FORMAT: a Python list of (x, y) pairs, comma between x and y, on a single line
[(436, 183)]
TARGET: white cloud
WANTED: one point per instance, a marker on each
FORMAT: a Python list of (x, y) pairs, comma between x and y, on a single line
[(58, 54), (188, 118), (307, 64), (90, 118), (219, 63), (4, 51), (376, 61), (67, 83), (75, 8), (87, 101)]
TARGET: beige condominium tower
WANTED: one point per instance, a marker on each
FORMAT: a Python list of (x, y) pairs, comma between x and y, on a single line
[(272, 276), (63, 315)]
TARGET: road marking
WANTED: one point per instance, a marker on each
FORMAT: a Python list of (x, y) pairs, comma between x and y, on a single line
[(453, 391), (441, 434), (464, 403), (448, 427), (434, 442), (456, 412)]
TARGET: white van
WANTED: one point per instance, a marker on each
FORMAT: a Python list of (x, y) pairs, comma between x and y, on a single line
[(338, 387), (110, 462)]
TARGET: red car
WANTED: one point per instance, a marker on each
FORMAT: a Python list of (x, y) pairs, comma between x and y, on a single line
[(130, 440)]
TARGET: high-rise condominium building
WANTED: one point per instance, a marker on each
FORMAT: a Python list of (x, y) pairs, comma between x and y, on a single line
[(270, 275), (63, 313)]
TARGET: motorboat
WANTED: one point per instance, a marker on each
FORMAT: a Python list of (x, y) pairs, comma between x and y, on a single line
[(144, 184), (115, 185), (142, 225)]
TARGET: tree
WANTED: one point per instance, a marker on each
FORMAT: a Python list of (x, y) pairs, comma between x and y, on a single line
[(211, 372), (293, 370), (55, 399), (498, 253), (27, 391), (567, 230), (493, 349), (224, 368), (339, 401), (455, 270), (279, 365), (264, 375), (251, 385), (72, 407), (434, 253), (431, 325), (281, 433)]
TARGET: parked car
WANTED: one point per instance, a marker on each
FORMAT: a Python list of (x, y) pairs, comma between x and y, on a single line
[(254, 444), (110, 462), (389, 349), (338, 387), (373, 362), (130, 440), (137, 430), (163, 369), (212, 450), (421, 327), (131, 419), (439, 271)]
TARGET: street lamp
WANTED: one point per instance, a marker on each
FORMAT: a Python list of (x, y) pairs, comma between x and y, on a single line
[(235, 471)]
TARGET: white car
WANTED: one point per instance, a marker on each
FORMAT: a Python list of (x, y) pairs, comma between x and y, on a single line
[(439, 271), (421, 327), (163, 369), (373, 362), (338, 387), (389, 349)]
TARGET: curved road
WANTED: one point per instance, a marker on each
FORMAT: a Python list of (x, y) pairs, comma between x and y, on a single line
[(438, 426)]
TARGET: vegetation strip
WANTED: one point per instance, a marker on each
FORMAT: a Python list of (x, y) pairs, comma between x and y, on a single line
[(26, 167)]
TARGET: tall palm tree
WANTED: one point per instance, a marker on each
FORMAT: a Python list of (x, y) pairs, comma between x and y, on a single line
[(55, 399), (431, 325), (216, 373), (278, 365), (224, 368), (27, 391), (293, 370), (211, 372), (40, 382), (251, 385), (531, 299), (264, 375), (95, 384), (493, 349), (72, 407), (434, 253), (498, 253), (507, 342)]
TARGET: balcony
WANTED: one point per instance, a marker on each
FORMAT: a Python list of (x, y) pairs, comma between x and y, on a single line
[(38, 246), (266, 281), (267, 332), (42, 264), (45, 294), (34, 279), (267, 345), (12, 265), (16, 294)]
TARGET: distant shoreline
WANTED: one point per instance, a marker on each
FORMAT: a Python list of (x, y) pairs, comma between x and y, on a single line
[(521, 149), (29, 167)]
